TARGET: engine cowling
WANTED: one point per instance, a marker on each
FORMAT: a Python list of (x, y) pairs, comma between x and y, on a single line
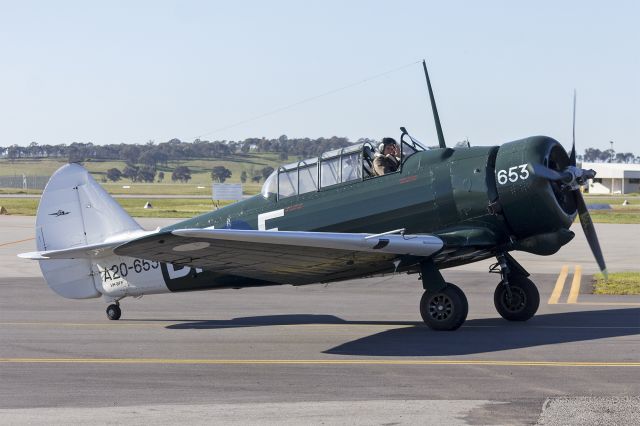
[(539, 212)]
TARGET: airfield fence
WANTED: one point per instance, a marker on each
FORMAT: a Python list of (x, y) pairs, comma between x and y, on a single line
[(23, 182)]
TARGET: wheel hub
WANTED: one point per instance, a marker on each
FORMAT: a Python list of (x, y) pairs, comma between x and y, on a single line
[(515, 302), (440, 307)]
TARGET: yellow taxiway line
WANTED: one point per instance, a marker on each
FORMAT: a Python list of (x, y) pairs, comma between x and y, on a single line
[(557, 290), (575, 285), (574, 292), (173, 361)]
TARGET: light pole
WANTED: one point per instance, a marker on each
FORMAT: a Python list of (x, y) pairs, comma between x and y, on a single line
[(611, 160)]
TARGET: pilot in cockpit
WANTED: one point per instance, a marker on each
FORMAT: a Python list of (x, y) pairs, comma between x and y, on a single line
[(387, 159)]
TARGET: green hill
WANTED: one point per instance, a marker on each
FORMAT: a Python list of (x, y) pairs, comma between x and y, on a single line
[(250, 163)]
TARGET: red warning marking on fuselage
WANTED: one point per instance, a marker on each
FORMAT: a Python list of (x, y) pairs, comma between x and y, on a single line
[(409, 179)]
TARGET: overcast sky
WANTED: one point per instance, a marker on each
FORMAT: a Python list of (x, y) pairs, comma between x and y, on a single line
[(133, 71)]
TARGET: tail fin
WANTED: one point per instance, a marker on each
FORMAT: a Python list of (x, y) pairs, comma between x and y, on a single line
[(76, 211)]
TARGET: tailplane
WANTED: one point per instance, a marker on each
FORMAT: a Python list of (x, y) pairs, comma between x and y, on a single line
[(76, 211)]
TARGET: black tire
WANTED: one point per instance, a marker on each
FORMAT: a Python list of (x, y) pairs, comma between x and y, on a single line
[(524, 302), (444, 310), (113, 312)]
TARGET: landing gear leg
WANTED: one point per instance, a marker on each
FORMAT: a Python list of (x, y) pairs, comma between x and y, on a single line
[(113, 311), (443, 305), (516, 297)]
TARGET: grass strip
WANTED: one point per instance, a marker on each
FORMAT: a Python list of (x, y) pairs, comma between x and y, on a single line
[(162, 207), (619, 283)]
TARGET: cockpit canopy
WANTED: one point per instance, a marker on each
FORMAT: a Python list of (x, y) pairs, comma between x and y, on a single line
[(352, 163)]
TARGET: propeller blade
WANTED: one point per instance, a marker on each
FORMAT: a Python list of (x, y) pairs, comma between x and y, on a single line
[(590, 233), (547, 173), (583, 212), (572, 156)]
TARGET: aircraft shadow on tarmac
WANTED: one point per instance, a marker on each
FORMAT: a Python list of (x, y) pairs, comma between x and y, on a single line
[(271, 320), (476, 336)]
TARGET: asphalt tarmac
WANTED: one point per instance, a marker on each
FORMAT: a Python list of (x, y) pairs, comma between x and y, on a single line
[(347, 353)]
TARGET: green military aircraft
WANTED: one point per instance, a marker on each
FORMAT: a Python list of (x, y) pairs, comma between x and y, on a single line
[(330, 219)]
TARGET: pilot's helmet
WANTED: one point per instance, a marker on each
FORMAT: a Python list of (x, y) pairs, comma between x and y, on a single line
[(385, 142)]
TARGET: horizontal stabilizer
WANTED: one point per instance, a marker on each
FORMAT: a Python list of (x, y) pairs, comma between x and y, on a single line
[(89, 251)]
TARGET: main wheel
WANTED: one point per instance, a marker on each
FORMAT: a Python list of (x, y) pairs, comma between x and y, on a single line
[(444, 310), (522, 304), (113, 312)]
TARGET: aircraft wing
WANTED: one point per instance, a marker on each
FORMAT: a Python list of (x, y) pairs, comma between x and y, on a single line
[(465, 244), (293, 257)]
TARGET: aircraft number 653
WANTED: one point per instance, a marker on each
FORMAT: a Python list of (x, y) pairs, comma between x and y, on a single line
[(512, 175)]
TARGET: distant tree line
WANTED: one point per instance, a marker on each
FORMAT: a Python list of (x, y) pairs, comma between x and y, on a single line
[(152, 154), (594, 155)]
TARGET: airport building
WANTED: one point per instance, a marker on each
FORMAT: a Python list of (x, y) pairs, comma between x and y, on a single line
[(614, 178)]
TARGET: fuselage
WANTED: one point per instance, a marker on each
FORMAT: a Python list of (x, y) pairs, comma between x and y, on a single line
[(433, 191)]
